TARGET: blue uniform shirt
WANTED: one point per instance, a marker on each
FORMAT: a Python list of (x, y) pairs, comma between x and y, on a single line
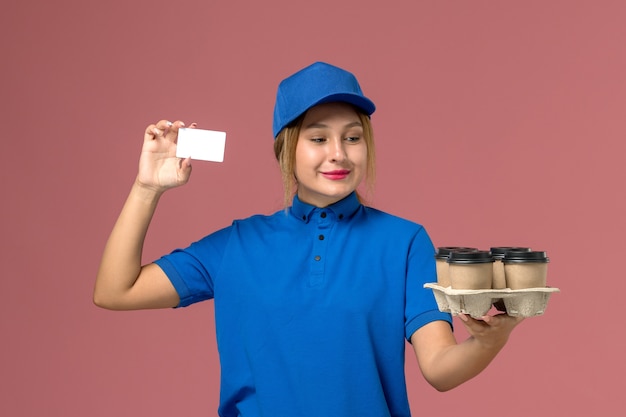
[(312, 308)]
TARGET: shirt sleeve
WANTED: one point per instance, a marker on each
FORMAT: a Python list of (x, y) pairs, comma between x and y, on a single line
[(421, 307), (192, 270)]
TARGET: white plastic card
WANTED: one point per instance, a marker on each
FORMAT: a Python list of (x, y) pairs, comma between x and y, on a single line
[(205, 145)]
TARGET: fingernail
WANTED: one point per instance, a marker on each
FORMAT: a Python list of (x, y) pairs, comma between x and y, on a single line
[(156, 131), (169, 124)]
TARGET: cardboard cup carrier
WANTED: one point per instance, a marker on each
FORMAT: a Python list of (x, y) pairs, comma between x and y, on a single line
[(471, 281)]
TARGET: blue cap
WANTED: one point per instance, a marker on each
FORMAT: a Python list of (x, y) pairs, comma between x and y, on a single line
[(316, 84)]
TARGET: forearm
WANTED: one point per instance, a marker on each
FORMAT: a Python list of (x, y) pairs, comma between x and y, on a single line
[(445, 363), (121, 261), (461, 362)]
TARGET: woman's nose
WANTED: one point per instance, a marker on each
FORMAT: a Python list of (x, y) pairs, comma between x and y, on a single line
[(337, 150)]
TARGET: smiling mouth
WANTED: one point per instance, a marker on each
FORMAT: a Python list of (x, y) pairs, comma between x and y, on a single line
[(338, 174)]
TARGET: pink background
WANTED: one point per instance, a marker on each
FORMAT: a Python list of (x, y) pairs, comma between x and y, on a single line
[(498, 123)]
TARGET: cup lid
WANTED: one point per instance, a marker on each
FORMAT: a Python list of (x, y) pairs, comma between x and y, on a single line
[(443, 252), (525, 256), (499, 251), (467, 257)]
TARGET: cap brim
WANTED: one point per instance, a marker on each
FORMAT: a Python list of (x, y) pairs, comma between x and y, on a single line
[(362, 103)]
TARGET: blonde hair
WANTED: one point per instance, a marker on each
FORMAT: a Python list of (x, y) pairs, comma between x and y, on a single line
[(285, 152)]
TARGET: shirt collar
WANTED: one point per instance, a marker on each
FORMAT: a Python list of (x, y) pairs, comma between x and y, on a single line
[(343, 209)]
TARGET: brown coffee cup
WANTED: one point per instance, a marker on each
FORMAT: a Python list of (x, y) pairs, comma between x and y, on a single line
[(499, 280), (441, 262), (525, 269), (470, 270)]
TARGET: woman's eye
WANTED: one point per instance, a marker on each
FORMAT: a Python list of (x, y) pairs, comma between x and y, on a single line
[(353, 138), (317, 140)]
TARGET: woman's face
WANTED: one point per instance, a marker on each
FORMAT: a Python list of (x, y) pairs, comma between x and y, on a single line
[(331, 154)]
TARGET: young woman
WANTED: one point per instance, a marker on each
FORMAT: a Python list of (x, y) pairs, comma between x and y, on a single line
[(313, 304)]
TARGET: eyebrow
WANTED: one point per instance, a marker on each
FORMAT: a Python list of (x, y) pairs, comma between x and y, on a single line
[(322, 125)]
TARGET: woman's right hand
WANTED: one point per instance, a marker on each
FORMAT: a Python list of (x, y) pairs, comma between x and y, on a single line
[(159, 168)]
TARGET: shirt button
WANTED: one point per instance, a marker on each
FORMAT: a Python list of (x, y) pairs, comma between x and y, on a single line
[(303, 217), (317, 258), (321, 237), (323, 215), (340, 216)]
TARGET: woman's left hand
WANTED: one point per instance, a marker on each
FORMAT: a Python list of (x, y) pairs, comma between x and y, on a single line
[(490, 331)]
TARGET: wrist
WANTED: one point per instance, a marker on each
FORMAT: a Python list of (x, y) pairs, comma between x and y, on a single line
[(490, 344), (146, 192)]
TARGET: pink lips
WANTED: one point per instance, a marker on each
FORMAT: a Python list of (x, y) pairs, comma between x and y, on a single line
[(338, 174)]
